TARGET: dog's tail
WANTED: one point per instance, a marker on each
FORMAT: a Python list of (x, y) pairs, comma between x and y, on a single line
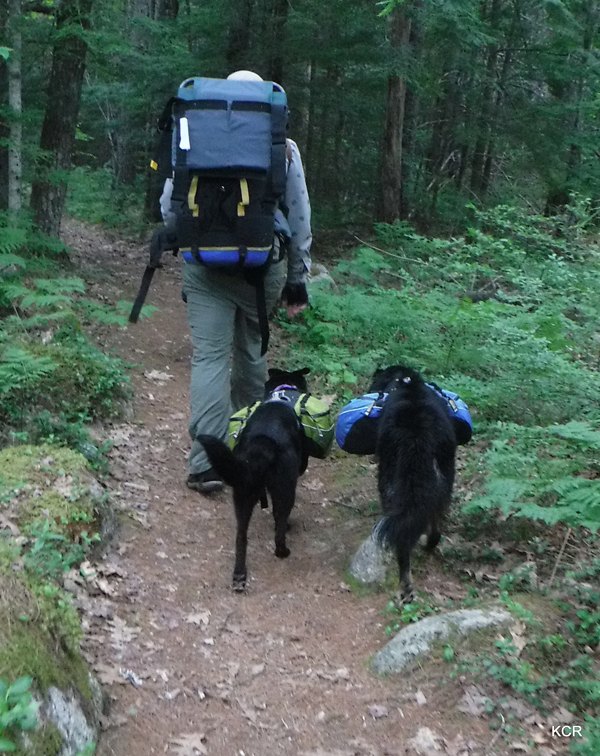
[(240, 472), (223, 461), (395, 529)]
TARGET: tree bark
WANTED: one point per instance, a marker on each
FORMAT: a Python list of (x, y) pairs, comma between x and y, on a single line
[(484, 121), (238, 42), (60, 120), (280, 14), (391, 171), (15, 144), (4, 130)]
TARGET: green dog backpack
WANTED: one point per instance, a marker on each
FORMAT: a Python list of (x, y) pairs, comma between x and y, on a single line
[(312, 413), (228, 158)]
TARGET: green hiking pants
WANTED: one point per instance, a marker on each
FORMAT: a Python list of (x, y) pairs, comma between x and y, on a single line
[(228, 371)]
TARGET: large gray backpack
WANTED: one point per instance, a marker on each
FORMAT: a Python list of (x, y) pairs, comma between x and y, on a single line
[(229, 165)]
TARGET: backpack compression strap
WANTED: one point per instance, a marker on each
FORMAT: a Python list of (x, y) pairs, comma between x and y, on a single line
[(142, 294)]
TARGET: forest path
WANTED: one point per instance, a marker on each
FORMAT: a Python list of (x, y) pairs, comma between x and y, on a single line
[(283, 669)]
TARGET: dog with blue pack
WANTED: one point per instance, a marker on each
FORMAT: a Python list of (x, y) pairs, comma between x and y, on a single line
[(357, 423)]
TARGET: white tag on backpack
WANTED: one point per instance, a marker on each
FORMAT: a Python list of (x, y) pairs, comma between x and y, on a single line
[(184, 134)]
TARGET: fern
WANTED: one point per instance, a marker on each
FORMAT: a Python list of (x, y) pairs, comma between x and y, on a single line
[(42, 294), (579, 431), (12, 238), (20, 368), (543, 476), (45, 301), (64, 285), (9, 260)]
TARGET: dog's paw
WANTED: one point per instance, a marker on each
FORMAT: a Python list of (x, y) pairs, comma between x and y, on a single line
[(405, 597), (238, 583), (282, 552)]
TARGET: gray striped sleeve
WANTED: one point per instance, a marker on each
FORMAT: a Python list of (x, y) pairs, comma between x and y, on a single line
[(298, 204)]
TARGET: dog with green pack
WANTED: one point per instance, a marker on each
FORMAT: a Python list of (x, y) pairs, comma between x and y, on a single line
[(268, 448)]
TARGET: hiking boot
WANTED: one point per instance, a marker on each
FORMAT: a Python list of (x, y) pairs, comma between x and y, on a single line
[(205, 482)]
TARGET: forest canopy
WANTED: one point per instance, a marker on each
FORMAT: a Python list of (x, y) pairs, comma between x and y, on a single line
[(407, 109)]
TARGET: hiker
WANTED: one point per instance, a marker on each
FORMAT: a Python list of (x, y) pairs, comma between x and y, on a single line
[(228, 369)]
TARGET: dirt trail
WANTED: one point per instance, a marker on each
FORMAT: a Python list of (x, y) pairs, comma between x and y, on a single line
[(283, 669)]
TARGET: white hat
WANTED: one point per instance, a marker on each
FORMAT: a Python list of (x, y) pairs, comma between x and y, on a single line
[(245, 76)]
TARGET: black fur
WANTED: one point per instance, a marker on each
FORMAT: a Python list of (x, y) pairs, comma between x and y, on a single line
[(269, 456), (416, 448)]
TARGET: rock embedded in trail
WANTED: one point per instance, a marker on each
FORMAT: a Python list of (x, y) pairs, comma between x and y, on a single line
[(415, 641), (369, 564)]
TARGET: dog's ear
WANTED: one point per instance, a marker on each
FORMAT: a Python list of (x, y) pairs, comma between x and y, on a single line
[(274, 371), (303, 371)]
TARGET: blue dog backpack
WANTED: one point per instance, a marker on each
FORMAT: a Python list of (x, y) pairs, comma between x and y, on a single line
[(357, 423), (459, 412), (228, 155)]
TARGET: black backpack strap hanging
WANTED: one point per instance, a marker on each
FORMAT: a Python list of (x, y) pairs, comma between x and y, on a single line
[(142, 294), (162, 239), (256, 277), (263, 318)]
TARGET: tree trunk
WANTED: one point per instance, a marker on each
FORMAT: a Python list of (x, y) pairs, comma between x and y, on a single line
[(391, 171), (238, 43), (166, 9), (280, 14), (60, 119), (484, 125), (4, 129), (15, 144), (302, 112), (310, 153)]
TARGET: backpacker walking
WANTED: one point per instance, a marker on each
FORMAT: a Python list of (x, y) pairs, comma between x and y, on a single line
[(237, 208)]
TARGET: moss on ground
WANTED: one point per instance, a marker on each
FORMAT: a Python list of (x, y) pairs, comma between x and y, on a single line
[(47, 483), (27, 644), (40, 487), (29, 465)]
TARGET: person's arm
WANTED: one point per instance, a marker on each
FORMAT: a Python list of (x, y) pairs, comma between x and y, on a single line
[(295, 294), (167, 213)]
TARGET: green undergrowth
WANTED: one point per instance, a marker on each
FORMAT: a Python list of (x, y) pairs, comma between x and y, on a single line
[(94, 198), (54, 507), (507, 316), (54, 383)]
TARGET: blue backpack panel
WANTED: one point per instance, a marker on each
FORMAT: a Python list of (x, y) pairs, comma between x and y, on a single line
[(459, 412), (357, 423)]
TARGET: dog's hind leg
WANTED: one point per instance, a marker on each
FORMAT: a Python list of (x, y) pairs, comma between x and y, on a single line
[(243, 513), (406, 593), (283, 504), (433, 534)]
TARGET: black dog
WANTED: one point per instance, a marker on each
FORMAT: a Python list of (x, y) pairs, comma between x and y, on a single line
[(270, 455), (416, 447)]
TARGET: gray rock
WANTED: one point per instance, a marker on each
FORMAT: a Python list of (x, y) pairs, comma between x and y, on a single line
[(369, 564), (414, 641), (320, 274), (64, 710)]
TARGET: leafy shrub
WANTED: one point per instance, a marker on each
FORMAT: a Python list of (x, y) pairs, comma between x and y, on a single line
[(544, 474), (67, 377), (93, 197), (18, 711), (53, 380)]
